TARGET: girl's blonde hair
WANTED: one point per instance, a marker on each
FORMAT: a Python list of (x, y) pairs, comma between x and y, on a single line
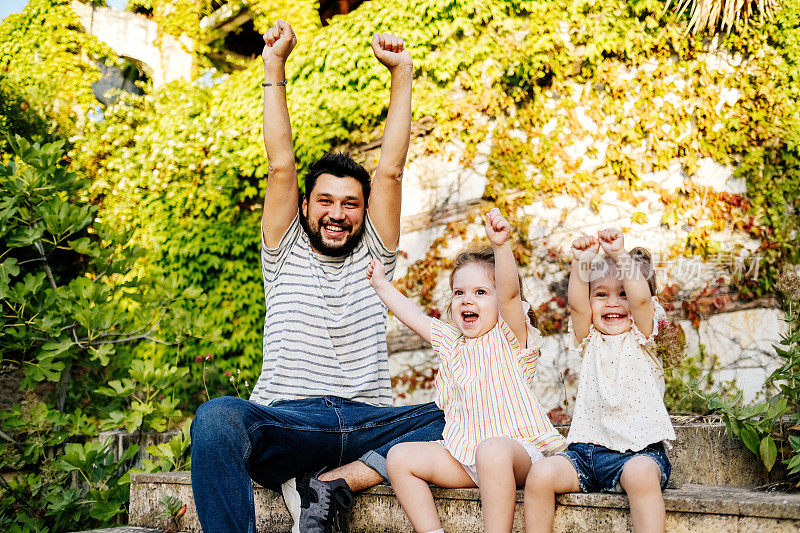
[(482, 254)]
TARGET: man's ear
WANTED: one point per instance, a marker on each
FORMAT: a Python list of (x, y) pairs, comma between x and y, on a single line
[(304, 207)]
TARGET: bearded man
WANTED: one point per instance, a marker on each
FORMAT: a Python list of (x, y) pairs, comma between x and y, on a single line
[(320, 420)]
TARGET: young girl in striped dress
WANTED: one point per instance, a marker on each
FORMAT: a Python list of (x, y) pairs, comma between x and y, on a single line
[(495, 428)]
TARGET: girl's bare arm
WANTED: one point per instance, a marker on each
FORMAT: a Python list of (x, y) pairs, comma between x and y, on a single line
[(404, 309), (580, 311), (636, 287), (506, 276)]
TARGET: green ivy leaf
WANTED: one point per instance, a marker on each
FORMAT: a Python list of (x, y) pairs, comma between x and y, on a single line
[(768, 452), (750, 438)]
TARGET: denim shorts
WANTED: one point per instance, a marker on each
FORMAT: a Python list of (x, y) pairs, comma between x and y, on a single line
[(599, 468)]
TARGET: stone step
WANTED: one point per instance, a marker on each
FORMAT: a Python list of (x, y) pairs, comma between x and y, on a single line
[(702, 454), (706, 508), (124, 529)]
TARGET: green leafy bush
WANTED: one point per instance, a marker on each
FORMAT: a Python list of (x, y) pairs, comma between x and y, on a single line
[(71, 312), (771, 429)]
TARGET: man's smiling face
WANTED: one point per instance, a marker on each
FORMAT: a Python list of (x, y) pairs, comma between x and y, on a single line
[(334, 213)]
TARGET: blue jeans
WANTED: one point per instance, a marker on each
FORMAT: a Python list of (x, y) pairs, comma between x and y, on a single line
[(599, 468), (235, 440)]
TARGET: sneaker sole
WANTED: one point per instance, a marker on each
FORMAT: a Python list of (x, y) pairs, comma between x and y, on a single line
[(292, 500)]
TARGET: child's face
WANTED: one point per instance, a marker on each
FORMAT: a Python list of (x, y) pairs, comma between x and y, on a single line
[(474, 307), (610, 309)]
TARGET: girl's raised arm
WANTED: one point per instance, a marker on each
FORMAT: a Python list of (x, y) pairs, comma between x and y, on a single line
[(580, 311), (404, 309), (506, 275), (635, 283)]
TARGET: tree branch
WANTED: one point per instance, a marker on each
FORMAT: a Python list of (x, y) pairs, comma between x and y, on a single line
[(50, 278)]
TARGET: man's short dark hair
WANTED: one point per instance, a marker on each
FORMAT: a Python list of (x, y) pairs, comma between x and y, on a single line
[(340, 165)]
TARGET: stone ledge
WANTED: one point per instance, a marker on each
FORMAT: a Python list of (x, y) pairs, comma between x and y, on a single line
[(124, 529), (702, 499), (689, 508)]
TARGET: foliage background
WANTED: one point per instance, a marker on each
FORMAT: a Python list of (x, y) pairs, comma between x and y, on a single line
[(180, 171)]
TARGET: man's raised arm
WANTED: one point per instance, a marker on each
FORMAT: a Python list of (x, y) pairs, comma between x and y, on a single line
[(384, 202), (281, 197)]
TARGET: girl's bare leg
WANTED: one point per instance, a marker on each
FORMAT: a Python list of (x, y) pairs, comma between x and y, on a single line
[(641, 480), (502, 465), (548, 477), (411, 466)]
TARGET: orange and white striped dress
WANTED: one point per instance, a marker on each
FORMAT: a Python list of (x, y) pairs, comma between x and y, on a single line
[(483, 387)]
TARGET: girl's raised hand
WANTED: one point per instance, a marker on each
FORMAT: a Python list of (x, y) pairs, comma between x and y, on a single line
[(390, 50), (279, 41), (612, 241), (498, 230), (376, 273), (585, 248)]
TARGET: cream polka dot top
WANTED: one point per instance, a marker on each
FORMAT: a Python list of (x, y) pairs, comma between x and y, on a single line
[(620, 402)]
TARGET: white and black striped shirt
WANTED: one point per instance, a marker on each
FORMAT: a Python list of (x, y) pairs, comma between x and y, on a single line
[(325, 327)]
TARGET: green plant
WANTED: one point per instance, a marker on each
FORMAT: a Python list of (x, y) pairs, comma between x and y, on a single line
[(690, 383), (49, 484), (173, 511), (142, 398), (100, 473), (49, 63), (167, 457), (71, 311), (68, 301), (770, 429)]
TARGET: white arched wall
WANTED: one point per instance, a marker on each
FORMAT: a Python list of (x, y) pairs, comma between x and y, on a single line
[(134, 36)]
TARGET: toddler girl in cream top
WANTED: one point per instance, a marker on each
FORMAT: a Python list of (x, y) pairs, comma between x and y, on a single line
[(620, 422)]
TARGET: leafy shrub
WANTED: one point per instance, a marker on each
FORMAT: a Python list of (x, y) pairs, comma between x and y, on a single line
[(771, 429)]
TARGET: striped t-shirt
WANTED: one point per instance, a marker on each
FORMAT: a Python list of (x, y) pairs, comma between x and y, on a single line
[(325, 327), (483, 387)]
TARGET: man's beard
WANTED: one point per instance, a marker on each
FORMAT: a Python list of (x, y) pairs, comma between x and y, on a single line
[(339, 250)]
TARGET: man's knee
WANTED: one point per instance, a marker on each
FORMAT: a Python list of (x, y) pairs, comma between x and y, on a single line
[(218, 420)]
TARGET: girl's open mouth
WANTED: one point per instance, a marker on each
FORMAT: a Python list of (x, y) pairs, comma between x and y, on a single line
[(469, 317)]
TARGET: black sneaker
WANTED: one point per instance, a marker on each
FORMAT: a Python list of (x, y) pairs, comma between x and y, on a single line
[(322, 504)]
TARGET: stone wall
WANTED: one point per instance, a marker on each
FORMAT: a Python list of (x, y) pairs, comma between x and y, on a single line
[(439, 188), (137, 37)]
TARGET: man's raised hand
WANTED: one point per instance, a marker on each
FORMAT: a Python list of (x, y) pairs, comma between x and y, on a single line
[(278, 42), (390, 51)]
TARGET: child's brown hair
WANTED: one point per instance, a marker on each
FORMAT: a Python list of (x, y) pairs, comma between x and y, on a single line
[(641, 256), (485, 255)]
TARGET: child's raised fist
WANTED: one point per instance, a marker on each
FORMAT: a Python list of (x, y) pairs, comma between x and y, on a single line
[(279, 41), (612, 241), (376, 273), (585, 248), (390, 50), (498, 230)]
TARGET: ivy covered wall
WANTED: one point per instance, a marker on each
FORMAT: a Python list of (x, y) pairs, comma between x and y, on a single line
[(580, 97)]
